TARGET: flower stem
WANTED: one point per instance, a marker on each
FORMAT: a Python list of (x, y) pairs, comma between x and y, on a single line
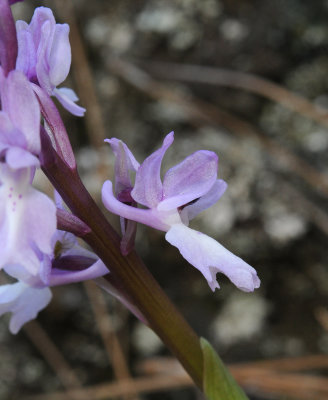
[(133, 276)]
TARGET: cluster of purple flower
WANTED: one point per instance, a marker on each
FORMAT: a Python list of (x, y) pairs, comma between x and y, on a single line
[(31, 246), (35, 58)]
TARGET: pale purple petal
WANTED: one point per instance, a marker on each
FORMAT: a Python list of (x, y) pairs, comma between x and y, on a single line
[(211, 197), (210, 257), (26, 59), (39, 281), (189, 180), (27, 220), (18, 272), (23, 301), (125, 164), (22, 107), (9, 134), (69, 93), (152, 217), (43, 50), (60, 55), (64, 96), (17, 157), (148, 188), (41, 15), (64, 277)]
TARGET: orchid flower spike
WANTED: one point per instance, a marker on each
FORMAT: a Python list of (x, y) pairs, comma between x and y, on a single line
[(187, 189), (44, 55)]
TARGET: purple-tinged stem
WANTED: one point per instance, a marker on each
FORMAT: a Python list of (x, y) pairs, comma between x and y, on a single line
[(130, 272), (8, 38)]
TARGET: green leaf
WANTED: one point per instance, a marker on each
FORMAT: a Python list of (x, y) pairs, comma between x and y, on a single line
[(218, 383)]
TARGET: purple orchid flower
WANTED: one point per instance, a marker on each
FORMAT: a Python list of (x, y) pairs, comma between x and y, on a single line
[(44, 55), (21, 205), (19, 121), (31, 293), (27, 220), (187, 189)]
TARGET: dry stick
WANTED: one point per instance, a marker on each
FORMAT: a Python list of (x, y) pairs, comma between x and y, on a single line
[(279, 94), (321, 315), (198, 109), (82, 75), (240, 80), (265, 377), (127, 387), (267, 89), (165, 365), (107, 332), (258, 381), (305, 206), (297, 386), (54, 358), (288, 364)]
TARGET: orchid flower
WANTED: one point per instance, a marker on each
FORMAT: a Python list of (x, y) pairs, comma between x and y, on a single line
[(30, 294), (44, 55), (27, 220), (21, 232), (187, 189), (19, 121)]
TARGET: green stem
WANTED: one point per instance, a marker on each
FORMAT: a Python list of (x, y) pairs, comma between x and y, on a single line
[(134, 278)]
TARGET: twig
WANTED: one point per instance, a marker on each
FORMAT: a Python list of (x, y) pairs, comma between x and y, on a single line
[(126, 387), (111, 342), (265, 382), (305, 206), (53, 357), (239, 80), (321, 314), (201, 110), (164, 365)]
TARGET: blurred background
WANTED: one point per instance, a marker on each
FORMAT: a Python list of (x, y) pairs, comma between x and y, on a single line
[(248, 80)]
